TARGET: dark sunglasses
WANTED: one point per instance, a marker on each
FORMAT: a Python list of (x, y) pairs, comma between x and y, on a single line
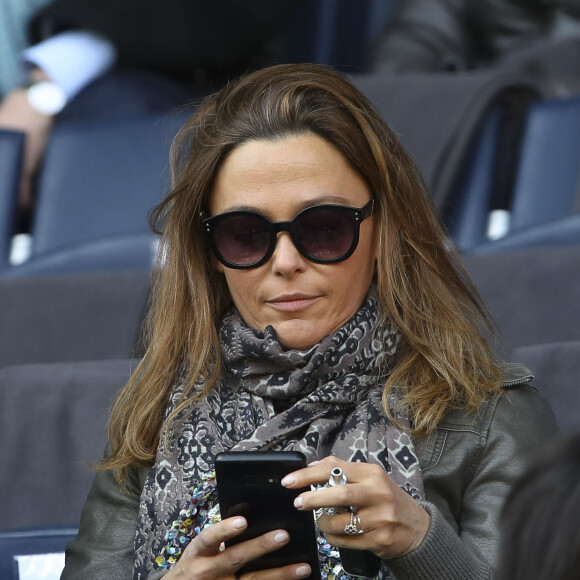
[(325, 234)]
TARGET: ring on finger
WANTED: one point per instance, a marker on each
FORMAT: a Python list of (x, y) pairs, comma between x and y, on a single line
[(354, 527)]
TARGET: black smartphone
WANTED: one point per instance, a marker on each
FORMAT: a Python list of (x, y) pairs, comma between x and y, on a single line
[(361, 563), (248, 484)]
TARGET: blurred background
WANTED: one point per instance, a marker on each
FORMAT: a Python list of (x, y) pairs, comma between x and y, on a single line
[(484, 95)]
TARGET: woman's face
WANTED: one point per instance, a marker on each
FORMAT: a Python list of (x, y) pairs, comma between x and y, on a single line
[(302, 300)]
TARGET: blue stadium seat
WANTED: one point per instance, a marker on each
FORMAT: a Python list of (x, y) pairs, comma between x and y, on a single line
[(11, 153), (546, 187), (560, 232), (457, 128), (30, 541), (556, 367), (98, 183), (49, 447), (545, 208), (71, 316), (533, 293), (467, 218)]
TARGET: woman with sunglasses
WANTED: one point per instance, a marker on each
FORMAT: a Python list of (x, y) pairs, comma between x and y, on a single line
[(307, 299)]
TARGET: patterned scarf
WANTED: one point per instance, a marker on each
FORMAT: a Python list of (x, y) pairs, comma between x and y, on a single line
[(321, 401)]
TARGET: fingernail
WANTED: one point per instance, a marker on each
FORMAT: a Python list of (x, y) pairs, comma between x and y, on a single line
[(288, 480), (302, 571), (298, 503), (239, 523), (281, 537)]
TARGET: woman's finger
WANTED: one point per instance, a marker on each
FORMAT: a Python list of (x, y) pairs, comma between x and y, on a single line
[(319, 472), (364, 485), (285, 573), (208, 542), (204, 558), (337, 523), (316, 473), (234, 557)]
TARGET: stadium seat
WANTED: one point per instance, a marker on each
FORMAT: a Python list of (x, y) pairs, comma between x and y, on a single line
[(53, 428), (556, 367), (466, 216), (36, 541), (545, 206), (71, 317), (564, 231), (532, 293), (546, 187), (452, 125), (97, 185), (11, 150)]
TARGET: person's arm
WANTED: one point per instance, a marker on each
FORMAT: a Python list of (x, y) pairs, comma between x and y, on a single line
[(522, 422), (104, 547), (16, 114), (71, 61)]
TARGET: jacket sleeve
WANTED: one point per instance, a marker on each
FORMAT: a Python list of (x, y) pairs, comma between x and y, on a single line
[(104, 547), (521, 422)]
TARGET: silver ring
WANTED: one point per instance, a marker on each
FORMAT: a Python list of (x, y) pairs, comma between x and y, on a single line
[(354, 527)]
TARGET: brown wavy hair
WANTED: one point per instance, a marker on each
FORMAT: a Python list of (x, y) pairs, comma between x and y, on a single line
[(444, 358)]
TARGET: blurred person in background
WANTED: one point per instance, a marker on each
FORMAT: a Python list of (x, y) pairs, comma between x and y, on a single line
[(107, 59), (538, 37)]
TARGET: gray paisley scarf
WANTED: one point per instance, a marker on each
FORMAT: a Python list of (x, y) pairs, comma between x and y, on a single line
[(321, 401)]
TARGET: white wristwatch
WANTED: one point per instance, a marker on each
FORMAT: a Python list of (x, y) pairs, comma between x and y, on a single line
[(46, 97)]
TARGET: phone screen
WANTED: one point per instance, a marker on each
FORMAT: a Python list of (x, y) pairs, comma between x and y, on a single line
[(248, 484)]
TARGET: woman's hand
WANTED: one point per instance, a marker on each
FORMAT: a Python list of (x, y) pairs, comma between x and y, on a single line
[(393, 523), (206, 558)]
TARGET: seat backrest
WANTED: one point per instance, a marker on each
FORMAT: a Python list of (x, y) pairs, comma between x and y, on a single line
[(11, 154), (532, 293), (561, 232), (100, 180), (439, 116), (16, 546), (556, 367), (71, 317), (548, 177), (467, 218), (132, 252), (53, 428)]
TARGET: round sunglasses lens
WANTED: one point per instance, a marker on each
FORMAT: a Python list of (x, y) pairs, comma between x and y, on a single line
[(326, 233), (242, 239)]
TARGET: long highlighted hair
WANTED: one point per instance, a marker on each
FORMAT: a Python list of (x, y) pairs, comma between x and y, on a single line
[(444, 359)]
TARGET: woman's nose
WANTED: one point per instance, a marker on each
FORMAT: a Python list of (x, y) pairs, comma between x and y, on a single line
[(286, 259)]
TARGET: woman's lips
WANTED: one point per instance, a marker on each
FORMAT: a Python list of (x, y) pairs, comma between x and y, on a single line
[(292, 303)]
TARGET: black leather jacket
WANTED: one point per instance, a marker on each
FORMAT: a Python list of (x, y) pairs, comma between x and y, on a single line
[(469, 465)]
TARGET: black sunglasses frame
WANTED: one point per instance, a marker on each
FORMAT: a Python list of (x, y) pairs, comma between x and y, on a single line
[(358, 215)]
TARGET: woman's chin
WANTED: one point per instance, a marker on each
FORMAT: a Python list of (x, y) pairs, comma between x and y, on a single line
[(299, 334)]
